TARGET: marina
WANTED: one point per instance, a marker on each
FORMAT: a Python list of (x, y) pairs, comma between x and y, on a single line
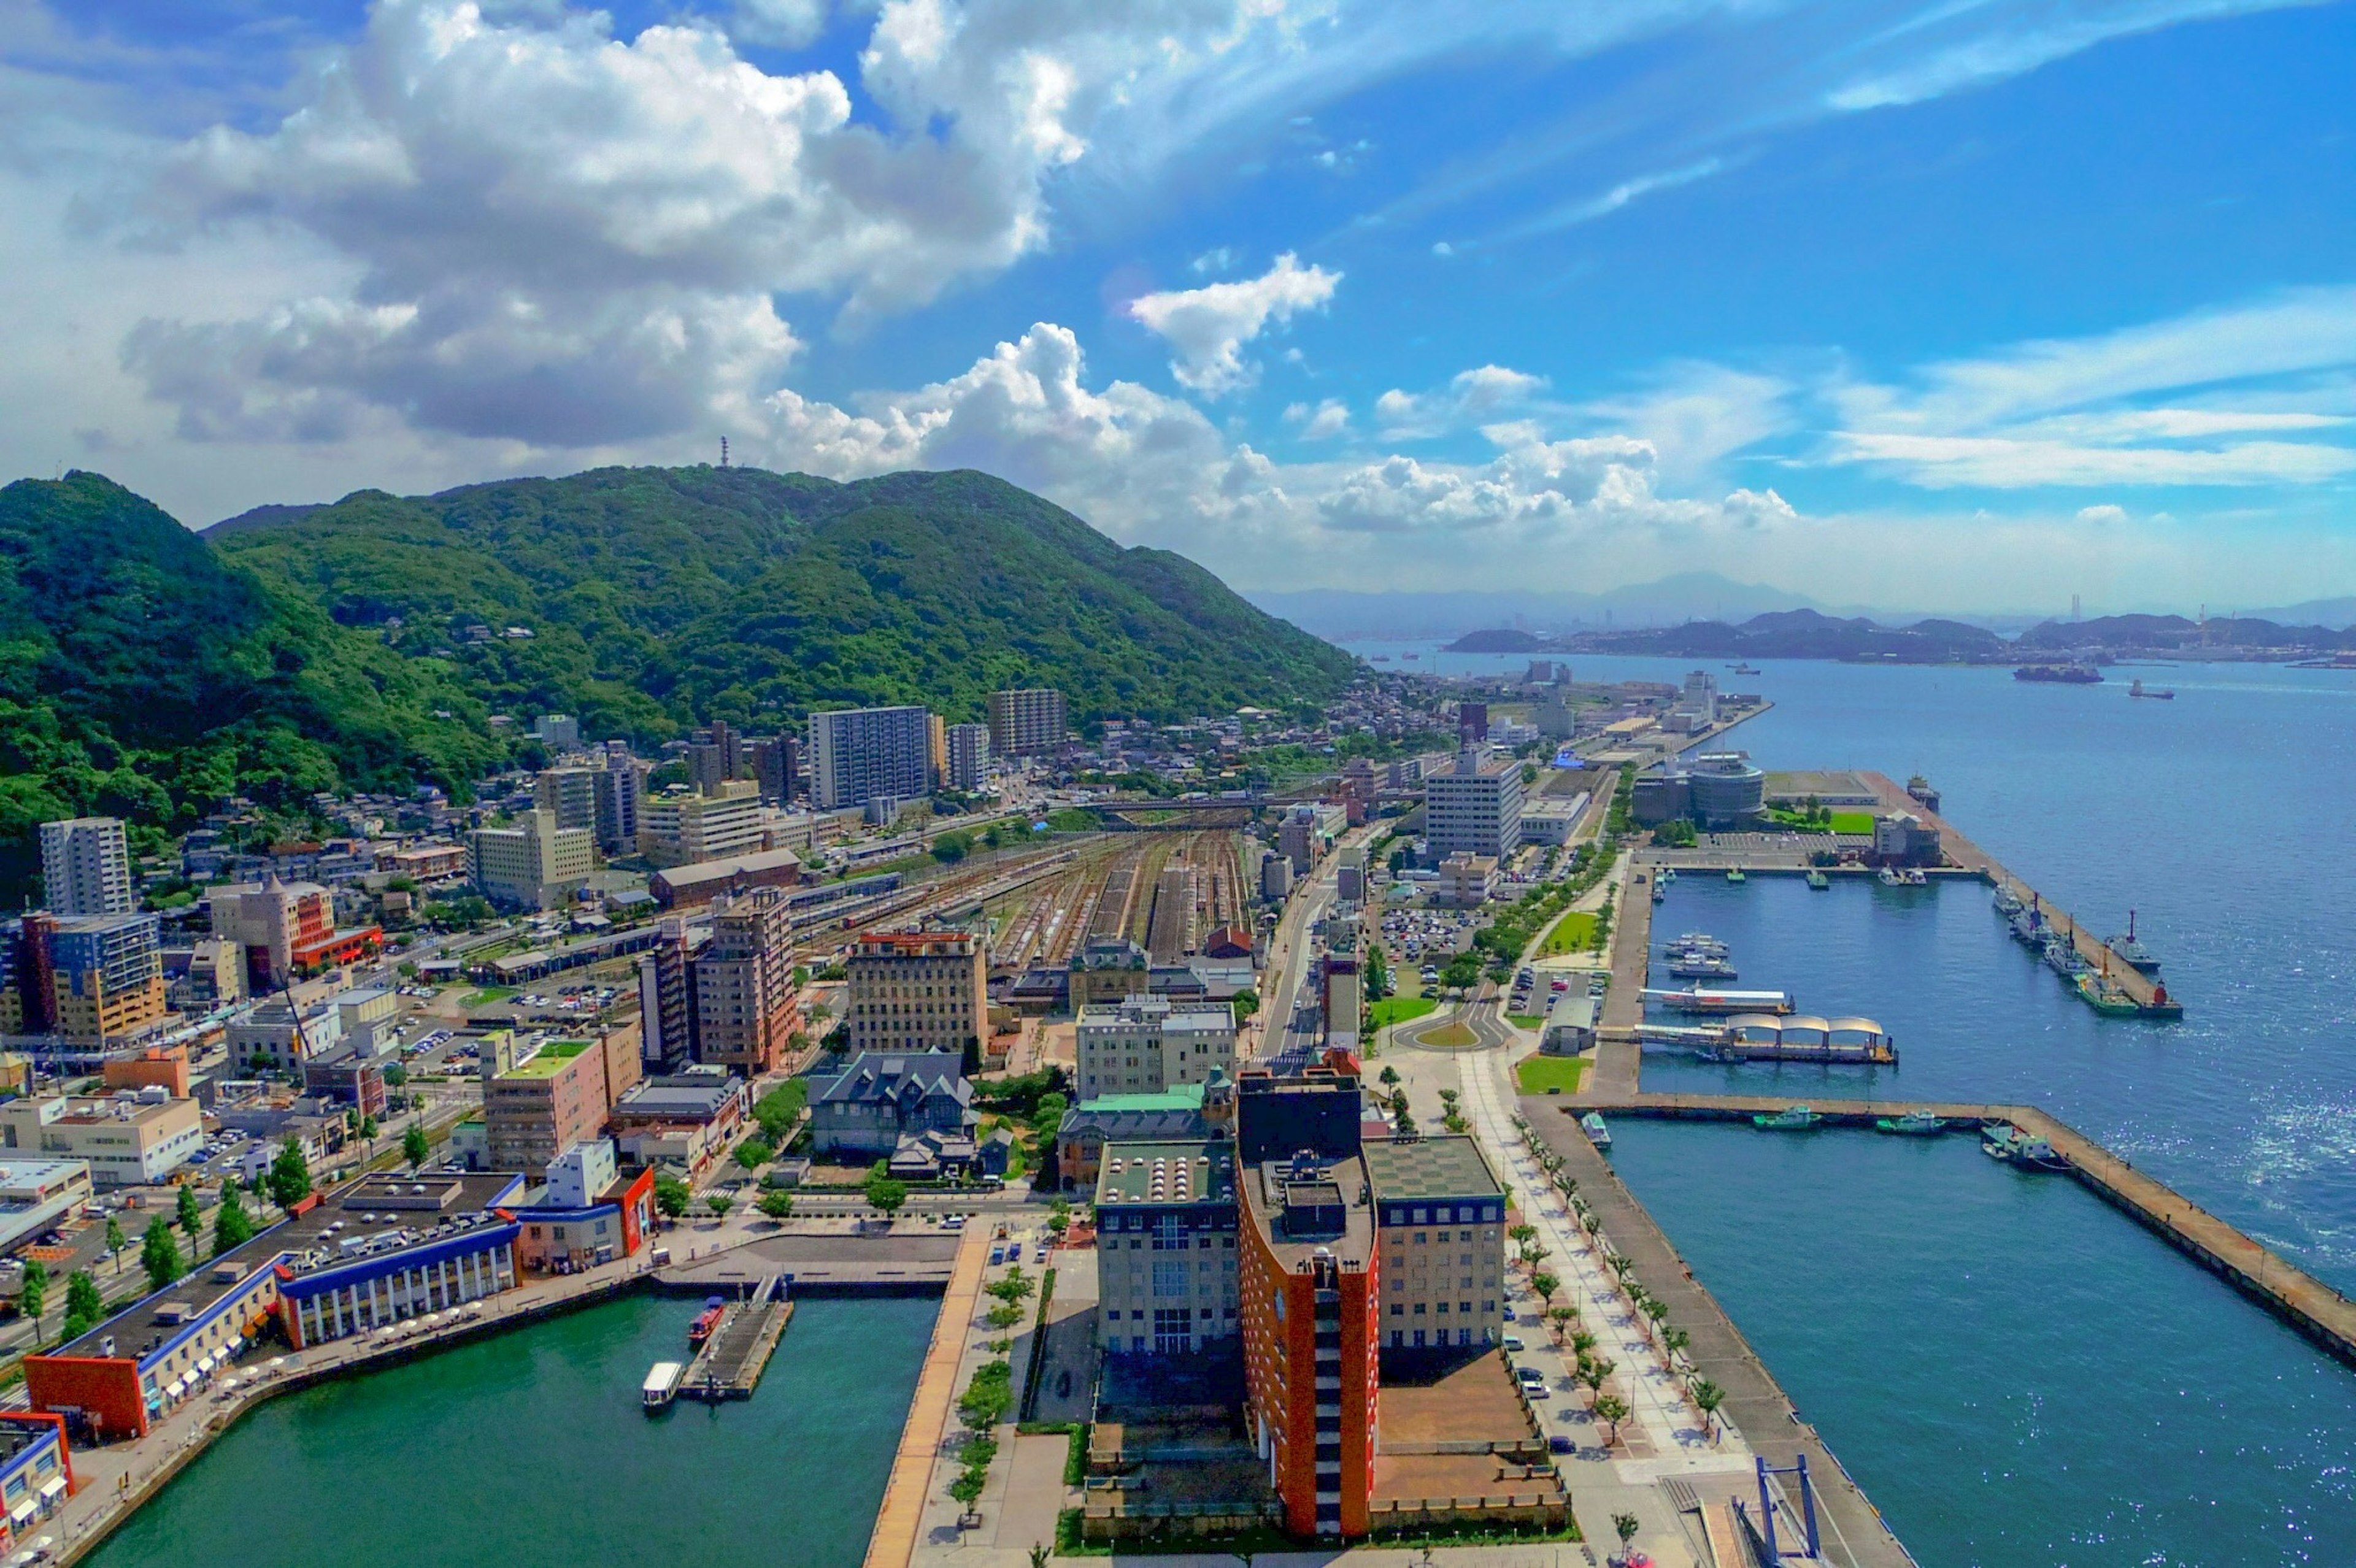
[(737, 1343)]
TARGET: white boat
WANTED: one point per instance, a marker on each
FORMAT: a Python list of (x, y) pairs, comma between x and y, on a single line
[(1597, 1133), (661, 1385)]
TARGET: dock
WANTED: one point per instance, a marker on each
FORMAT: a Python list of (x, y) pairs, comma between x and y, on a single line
[(731, 1360)]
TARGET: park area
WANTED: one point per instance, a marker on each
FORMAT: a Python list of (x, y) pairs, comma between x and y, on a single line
[(1551, 1074)]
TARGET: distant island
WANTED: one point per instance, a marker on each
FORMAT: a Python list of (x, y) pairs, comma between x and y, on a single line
[(1811, 634)]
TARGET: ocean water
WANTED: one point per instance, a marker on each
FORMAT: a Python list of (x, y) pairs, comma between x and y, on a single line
[(531, 1449)]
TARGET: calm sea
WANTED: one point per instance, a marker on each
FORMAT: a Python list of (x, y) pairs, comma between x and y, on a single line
[(530, 1449), (2016, 1373)]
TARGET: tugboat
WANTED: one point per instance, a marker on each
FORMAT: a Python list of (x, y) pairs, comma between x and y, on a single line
[(1597, 1133), (2138, 689), (2134, 954), (1913, 1123), (2103, 994), (1797, 1119)]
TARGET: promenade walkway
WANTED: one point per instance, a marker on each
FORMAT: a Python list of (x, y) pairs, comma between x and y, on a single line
[(899, 1522)]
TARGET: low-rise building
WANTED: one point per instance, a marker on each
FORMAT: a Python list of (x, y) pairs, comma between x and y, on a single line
[(693, 886), (127, 1139), (35, 1194), (1190, 1112), (1552, 819), (1148, 1044), (688, 829), (684, 1119), (37, 1474), (1166, 1272), (1466, 881), (1902, 838), (1440, 1215), (882, 1096), (1570, 1023), (588, 1213)]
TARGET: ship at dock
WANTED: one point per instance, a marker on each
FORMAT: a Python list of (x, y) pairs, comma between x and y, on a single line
[(2059, 673)]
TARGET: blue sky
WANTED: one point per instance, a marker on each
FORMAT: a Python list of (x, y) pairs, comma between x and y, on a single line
[(1963, 306)]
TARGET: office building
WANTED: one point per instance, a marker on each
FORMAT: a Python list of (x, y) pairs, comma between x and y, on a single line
[(1440, 1215), (1716, 792), (1307, 831), (287, 929), (681, 829), (1476, 808), (36, 1194), (1466, 881), (1027, 723), (1308, 1283), (534, 864), (127, 1139), (1166, 1269), (919, 991), (556, 1098), (1145, 1044), (1471, 724), (747, 1010), (86, 867), (968, 756), (1552, 819), (858, 755)]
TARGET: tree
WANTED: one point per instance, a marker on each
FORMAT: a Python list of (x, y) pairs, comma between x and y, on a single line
[(1039, 1553), (160, 1256), (1545, 1284), (34, 1295), (290, 1175), (115, 1240), (883, 1191), (189, 1216), (672, 1195), (368, 1130), (1059, 1217), (1462, 973), (1706, 1397), (1625, 1525), (1390, 1078), (1611, 1410), (752, 1154), (719, 1203), (83, 1299), (414, 1145), (777, 1205), (1247, 1004), (232, 1226)]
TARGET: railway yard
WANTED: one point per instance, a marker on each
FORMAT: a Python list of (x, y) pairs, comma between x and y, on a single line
[(1165, 892)]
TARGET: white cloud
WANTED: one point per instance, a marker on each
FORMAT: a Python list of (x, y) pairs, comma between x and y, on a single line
[(1697, 414), (1473, 397), (2103, 516), (1218, 259), (1209, 325), (788, 24), (1327, 421), (2147, 405), (1610, 201)]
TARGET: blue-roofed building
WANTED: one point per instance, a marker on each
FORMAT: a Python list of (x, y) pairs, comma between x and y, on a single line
[(864, 1112)]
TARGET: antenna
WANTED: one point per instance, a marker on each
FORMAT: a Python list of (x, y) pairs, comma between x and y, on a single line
[(723, 452)]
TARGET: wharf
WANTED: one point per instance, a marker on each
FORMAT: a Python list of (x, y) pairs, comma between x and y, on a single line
[(731, 1360), (899, 1520)]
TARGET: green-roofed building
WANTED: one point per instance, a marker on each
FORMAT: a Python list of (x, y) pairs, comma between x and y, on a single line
[(1188, 1111), (1440, 1225)]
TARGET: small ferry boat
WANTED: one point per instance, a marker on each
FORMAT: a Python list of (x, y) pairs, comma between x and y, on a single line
[(2002, 1140), (1797, 1119), (2132, 953), (2161, 694), (1380, 658), (1597, 1133), (1698, 941), (706, 1321), (661, 1385), (1913, 1123), (1819, 881), (1734, 874), (1701, 966)]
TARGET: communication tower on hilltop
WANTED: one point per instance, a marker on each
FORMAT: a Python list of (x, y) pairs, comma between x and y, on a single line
[(723, 452)]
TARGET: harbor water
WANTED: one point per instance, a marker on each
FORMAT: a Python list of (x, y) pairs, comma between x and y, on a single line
[(531, 1448)]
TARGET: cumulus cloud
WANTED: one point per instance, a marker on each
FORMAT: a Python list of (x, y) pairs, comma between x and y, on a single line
[(1471, 398), (1209, 326), (2103, 516), (788, 24), (2217, 397), (1327, 421)]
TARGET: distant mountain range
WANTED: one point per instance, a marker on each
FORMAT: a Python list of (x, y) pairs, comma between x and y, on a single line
[(1811, 634)]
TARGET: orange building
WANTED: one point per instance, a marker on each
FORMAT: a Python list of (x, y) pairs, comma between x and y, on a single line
[(1310, 1284), (164, 1067)]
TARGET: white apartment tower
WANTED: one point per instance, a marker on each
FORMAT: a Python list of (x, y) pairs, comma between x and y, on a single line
[(969, 755), (86, 865), (1027, 723), (1475, 809), (858, 755)]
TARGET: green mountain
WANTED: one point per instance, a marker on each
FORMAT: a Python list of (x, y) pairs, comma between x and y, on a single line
[(143, 675), (660, 597)]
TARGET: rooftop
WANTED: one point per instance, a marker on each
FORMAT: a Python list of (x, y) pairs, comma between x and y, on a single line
[(1301, 1209), (549, 1060), (1448, 1167), (1190, 1172), (1183, 1097)]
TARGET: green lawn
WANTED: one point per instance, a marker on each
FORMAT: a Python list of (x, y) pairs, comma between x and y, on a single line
[(1551, 1074), (1575, 932), (1397, 1010), (1852, 822), (489, 994), (1526, 1020)]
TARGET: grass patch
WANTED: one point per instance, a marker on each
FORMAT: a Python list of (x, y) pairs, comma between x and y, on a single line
[(1852, 822), (1551, 1074), (1398, 1011), (1574, 932), (1450, 1035), (1526, 1020), (1073, 819), (489, 994)]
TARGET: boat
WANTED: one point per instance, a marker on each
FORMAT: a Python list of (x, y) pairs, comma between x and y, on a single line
[(1734, 874), (1913, 1123), (1888, 876), (1698, 939), (1699, 966), (2103, 994), (1819, 881), (1668, 874), (2002, 1140), (1380, 658), (1746, 670), (2062, 956), (1658, 896), (2007, 903), (1797, 1119), (1410, 656), (2059, 673), (2158, 693), (1916, 877), (661, 1385), (2134, 954), (1597, 1133), (714, 1309), (1699, 999)]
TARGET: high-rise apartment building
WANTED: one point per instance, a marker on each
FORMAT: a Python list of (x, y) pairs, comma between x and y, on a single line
[(938, 743), (667, 997), (969, 756), (746, 1009), (620, 786), (534, 864), (861, 754), (91, 979), (538, 1109), (569, 794), (1031, 722), (681, 830), (1476, 808), (918, 990), (777, 768), (86, 867)]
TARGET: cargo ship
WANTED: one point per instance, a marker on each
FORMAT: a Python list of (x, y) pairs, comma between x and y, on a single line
[(2061, 674)]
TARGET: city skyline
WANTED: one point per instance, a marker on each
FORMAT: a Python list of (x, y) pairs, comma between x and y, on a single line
[(1963, 311)]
